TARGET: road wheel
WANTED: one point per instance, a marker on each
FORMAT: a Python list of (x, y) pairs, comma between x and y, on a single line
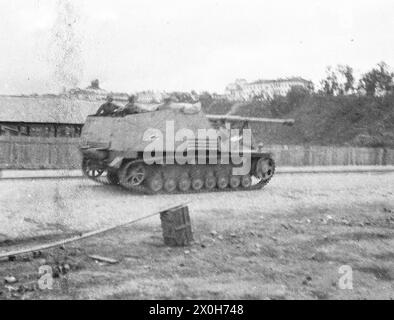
[(170, 185), (210, 182), (235, 181), (197, 184), (222, 182), (155, 183), (246, 181), (184, 184)]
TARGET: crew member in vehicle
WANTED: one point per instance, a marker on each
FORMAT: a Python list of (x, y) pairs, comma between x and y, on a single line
[(109, 108), (131, 107)]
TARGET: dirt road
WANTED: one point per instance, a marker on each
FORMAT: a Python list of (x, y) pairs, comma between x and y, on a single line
[(286, 241)]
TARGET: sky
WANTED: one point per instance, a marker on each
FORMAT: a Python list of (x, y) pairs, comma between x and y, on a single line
[(183, 45)]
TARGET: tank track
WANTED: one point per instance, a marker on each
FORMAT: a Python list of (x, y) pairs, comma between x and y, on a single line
[(104, 177), (163, 170), (100, 176)]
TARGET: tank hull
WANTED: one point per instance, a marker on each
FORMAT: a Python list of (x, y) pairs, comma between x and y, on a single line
[(143, 153)]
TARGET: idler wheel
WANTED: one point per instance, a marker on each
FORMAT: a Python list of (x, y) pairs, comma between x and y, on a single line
[(265, 169), (246, 181), (210, 182), (235, 181), (222, 182), (170, 185), (155, 183), (90, 170), (132, 175), (197, 184), (184, 184)]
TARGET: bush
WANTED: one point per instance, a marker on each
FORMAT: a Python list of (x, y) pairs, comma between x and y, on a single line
[(281, 106), (320, 119)]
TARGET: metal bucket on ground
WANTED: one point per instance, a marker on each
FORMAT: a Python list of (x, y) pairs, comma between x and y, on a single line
[(176, 225)]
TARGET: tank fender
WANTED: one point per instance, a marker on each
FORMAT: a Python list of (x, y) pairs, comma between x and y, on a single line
[(95, 153)]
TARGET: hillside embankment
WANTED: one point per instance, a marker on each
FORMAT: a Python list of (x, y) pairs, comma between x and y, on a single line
[(354, 120)]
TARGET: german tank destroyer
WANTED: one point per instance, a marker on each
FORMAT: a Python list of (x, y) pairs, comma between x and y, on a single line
[(175, 150)]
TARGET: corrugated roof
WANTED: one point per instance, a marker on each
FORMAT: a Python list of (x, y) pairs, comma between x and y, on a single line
[(46, 109)]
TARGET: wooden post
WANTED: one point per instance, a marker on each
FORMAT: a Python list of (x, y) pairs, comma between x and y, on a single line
[(176, 225)]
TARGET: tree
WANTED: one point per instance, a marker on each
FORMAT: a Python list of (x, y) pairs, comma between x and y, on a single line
[(377, 81), (297, 95), (338, 81), (346, 72), (330, 83), (206, 95)]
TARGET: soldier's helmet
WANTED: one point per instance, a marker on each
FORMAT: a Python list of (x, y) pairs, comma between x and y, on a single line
[(132, 98), (110, 98)]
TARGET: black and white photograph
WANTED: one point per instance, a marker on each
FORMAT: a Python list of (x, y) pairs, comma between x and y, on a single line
[(201, 152)]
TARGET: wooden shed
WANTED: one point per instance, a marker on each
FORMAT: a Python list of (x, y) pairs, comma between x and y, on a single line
[(44, 116)]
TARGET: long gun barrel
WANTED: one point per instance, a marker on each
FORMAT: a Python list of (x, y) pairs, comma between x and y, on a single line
[(217, 117)]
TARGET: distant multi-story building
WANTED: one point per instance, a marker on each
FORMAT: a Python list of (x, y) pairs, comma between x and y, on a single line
[(241, 90)]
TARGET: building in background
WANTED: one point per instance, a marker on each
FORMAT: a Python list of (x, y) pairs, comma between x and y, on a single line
[(94, 93), (44, 116), (241, 90)]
